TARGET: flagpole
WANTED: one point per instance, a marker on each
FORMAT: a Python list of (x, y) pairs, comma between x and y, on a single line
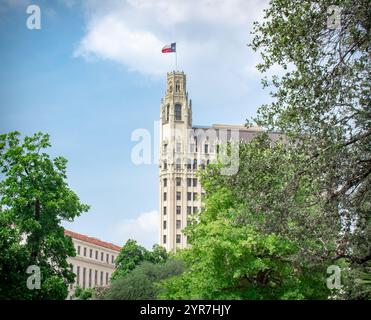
[(176, 60)]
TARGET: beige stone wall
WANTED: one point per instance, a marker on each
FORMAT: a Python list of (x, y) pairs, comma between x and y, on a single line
[(176, 153), (97, 271), (177, 142)]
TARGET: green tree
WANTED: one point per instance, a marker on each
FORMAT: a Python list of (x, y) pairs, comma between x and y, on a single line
[(142, 282), (34, 199), (83, 294), (247, 244), (321, 103), (132, 254)]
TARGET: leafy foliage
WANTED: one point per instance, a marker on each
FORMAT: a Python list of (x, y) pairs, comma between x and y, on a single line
[(321, 103), (132, 254), (34, 199), (141, 283), (246, 245), (83, 294)]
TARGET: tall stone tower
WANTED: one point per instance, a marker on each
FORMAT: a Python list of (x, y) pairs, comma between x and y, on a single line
[(175, 120), (184, 149)]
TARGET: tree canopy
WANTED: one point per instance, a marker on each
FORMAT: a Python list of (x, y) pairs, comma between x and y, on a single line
[(132, 254), (321, 103), (302, 204), (34, 200)]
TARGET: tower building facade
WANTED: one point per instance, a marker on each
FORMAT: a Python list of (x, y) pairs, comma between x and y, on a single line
[(185, 148)]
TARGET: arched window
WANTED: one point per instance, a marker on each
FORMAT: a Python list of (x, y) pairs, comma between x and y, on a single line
[(178, 112), (167, 112), (177, 86)]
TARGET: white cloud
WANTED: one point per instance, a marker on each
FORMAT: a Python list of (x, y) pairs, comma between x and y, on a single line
[(144, 229), (211, 38), (137, 49)]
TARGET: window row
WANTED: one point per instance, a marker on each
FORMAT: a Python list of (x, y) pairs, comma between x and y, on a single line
[(177, 239), (89, 278), (190, 196), (190, 210), (178, 224), (96, 255), (190, 165), (191, 182), (193, 148)]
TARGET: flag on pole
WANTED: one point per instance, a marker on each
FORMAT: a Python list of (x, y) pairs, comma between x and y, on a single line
[(169, 48)]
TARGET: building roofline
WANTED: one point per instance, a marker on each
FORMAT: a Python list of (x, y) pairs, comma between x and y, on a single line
[(230, 126), (92, 240)]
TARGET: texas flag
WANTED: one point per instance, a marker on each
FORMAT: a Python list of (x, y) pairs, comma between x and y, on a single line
[(169, 48)]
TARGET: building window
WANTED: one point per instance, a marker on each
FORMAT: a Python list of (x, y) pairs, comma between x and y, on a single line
[(83, 277), (164, 239), (165, 165), (178, 181), (194, 164), (91, 253), (90, 276), (165, 182), (101, 278), (195, 182), (177, 86), (164, 211), (189, 196), (78, 275), (113, 259), (178, 211), (179, 195), (164, 196), (206, 148), (189, 210), (178, 164), (178, 147), (101, 256), (194, 196), (106, 278), (189, 182), (164, 224), (96, 278), (107, 258), (189, 164), (178, 238), (96, 254), (178, 224), (84, 252), (178, 112), (78, 250), (167, 112), (194, 209)]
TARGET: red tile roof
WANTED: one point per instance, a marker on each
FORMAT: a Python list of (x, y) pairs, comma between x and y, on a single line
[(92, 240)]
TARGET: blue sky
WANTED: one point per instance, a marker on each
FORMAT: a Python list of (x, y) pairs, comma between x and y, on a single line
[(94, 73)]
